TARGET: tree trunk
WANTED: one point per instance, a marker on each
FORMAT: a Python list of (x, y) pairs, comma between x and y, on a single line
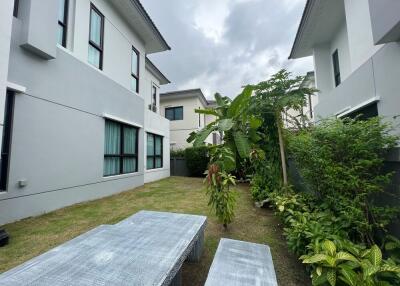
[(282, 150)]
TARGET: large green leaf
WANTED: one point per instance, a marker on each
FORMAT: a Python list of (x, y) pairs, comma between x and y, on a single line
[(375, 256), (202, 135), (225, 124), (346, 256), (315, 258), (206, 111), (390, 268), (192, 137), (330, 247), (219, 99), (348, 276), (255, 122), (242, 144), (239, 101), (331, 277)]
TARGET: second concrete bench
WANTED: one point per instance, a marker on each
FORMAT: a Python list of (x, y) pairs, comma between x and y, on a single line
[(241, 263)]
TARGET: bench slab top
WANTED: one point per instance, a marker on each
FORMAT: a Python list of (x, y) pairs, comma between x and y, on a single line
[(147, 248), (239, 263)]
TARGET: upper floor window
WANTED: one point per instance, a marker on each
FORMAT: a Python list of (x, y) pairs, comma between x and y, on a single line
[(336, 68), (120, 148), (16, 6), (174, 113), (62, 22), (96, 37), (153, 105), (135, 70)]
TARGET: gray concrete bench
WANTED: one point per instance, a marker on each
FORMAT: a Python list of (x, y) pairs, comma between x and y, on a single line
[(239, 263), (147, 248)]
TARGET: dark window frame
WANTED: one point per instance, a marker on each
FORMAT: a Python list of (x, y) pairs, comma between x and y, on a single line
[(336, 68), (100, 48), (154, 151), (174, 112), (154, 90), (16, 8), (122, 154), (135, 76), (64, 24), (7, 139)]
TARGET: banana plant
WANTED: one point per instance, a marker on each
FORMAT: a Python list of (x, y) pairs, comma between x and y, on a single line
[(236, 126)]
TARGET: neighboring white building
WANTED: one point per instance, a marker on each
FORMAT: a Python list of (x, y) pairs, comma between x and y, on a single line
[(179, 107), (75, 89), (356, 51), (306, 115)]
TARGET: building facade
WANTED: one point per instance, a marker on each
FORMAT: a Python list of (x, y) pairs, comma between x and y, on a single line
[(75, 89), (356, 50), (179, 107)]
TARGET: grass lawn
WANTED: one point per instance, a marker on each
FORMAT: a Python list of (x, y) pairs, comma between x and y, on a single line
[(33, 236)]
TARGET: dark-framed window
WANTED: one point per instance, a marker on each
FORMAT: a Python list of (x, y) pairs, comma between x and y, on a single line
[(135, 70), (120, 148), (174, 113), (154, 91), (16, 6), (6, 140), (336, 68), (62, 22), (96, 38), (154, 151), (365, 112)]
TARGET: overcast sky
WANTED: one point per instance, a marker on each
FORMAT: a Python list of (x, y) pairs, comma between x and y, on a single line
[(221, 45)]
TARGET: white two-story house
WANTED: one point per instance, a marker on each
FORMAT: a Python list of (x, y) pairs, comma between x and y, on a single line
[(356, 51), (80, 102), (179, 107)]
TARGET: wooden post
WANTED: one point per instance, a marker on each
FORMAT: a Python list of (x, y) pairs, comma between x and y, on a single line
[(282, 149)]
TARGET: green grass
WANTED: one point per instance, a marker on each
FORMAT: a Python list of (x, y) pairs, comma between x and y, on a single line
[(33, 236)]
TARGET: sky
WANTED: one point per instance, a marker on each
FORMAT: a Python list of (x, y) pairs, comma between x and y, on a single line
[(221, 45)]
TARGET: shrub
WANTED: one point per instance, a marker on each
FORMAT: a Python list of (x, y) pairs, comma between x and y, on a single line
[(321, 239), (177, 153), (197, 159), (342, 163)]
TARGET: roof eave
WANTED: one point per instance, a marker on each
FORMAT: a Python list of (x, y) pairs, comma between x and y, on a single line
[(157, 33), (300, 30), (156, 72)]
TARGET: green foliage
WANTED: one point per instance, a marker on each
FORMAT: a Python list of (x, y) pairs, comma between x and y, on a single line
[(237, 127), (221, 198), (197, 160), (272, 98), (348, 264), (313, 231), (341, 161), (233, 122)]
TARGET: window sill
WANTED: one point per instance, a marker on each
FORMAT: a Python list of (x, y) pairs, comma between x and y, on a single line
[(155, 170), (122, 176)]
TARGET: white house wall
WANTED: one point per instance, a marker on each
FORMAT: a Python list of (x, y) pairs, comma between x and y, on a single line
[(118, 41), (340, 42), (323, 69), (58, 130), (6, 16), (157, 124), (359, 29)]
